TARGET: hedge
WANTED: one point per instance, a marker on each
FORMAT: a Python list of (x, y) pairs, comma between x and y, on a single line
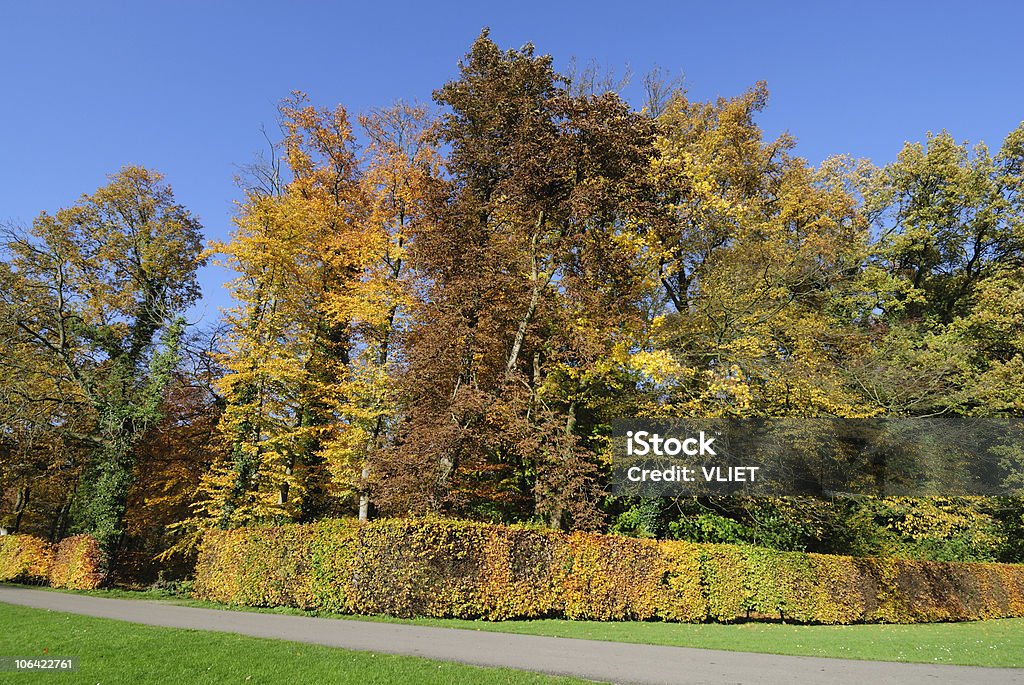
[(74, 563), (77, 564), (461, 569), (24, 559)]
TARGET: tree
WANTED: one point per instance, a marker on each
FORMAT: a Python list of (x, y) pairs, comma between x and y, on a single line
[(172, 459), (533, 248), (95, 292), (756, 255), (946, 278), (288, 351), (403, 191)]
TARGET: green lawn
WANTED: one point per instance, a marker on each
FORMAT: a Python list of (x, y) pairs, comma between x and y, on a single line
[(978, 643), (115, 652)]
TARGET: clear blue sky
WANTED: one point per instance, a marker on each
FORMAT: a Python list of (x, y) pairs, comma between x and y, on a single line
[(183, 87)]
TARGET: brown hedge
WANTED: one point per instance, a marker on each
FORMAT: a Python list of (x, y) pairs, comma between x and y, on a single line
[(445, 568)]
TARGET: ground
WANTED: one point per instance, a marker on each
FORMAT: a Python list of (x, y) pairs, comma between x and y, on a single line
[(114, 652), (117, 646)]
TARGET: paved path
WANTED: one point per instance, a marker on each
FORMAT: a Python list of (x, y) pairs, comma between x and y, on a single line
[(595, 660)]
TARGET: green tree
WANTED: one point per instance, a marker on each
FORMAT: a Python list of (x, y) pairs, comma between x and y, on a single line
[(96, 293), (945, 279)]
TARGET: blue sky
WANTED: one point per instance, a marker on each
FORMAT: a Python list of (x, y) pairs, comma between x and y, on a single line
[(183, 87)]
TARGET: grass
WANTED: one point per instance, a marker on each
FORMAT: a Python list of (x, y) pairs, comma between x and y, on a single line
[(117, 652), (981, 643), (997, 643)]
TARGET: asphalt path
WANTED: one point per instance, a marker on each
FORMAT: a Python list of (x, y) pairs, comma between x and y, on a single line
[(590, 659)]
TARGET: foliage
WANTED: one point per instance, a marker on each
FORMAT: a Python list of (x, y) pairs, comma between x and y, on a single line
[(93, 296), (441, 312), (24, 558), (286, 352), (755, 253), (450, 568), (78, 564), (530, 297), (322, 294)]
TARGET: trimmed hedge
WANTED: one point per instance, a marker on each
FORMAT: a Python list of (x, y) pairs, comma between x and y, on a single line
[(78, 564), (461, 569), (24, 559), (74, 563)]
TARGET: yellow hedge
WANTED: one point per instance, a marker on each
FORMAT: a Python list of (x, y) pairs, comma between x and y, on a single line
[(78, 564), (75, 563), (445, 568), (24, 559)]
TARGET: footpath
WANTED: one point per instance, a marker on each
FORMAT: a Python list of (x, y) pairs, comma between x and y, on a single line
[(591, 659)]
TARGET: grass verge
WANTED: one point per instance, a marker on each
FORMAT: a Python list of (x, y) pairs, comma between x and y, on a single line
[(998, 643), (118, 652)]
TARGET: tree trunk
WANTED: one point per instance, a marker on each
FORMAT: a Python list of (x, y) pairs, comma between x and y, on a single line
[(364, 496), (536, 288), (60, 521), (19, 507)]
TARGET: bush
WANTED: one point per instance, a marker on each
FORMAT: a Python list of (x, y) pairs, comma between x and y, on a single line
[(521, 573), (78, 564), (606, 578), (409, 568), (300, 565), (24, 559), (682, 594), (444, 568)]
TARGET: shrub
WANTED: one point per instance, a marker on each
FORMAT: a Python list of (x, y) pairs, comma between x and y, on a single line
[(682, 595), (778, 585), (838, 590), (24, 559), (521, 578), (606, 578), (78, 564), (444, 568), (295, 565), (723, 572), (420, 568)]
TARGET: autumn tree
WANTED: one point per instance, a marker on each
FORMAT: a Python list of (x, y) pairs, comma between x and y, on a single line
[(39, 466), (533, 248), (401, 186), (755, 255), (93, 297), (286, 352)]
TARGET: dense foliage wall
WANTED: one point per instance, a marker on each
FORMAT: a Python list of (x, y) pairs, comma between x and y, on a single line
[(448, 568), (75, 563), (24, 558)]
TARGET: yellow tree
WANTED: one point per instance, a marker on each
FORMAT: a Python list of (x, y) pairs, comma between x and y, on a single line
[(295, 248), (756, 257), (402, 189)]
